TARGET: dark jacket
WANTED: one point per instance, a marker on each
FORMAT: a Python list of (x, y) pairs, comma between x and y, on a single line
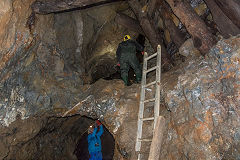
[(128, 47)]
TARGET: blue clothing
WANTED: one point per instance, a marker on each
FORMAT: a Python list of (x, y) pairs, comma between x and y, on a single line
[(96, 156), (94, 143)]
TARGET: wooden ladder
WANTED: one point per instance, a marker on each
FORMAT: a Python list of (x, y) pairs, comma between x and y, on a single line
[(143, 101)]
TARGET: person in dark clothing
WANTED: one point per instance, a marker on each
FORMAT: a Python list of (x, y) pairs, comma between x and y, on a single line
[(126, 57), (94, 141)]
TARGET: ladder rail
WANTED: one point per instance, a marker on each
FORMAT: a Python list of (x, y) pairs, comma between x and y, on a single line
[(157, 92), (141, 107)]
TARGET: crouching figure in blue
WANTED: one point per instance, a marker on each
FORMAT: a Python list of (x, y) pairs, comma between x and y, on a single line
[(94, 141)]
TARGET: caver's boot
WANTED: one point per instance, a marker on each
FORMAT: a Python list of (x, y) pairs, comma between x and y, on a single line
[(125, 80), (138, 77)]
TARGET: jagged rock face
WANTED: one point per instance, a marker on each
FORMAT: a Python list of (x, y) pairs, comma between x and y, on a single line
[(43, 137), (39, 75), (202, 95), (49, 55), (18, 51), (204, 118), (33, 74), (117, 107)]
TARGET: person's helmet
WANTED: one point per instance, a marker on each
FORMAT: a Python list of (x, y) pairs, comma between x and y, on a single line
[(90, 129), (126, 37)]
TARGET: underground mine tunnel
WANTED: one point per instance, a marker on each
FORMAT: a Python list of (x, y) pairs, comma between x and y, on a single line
[(59, 74)]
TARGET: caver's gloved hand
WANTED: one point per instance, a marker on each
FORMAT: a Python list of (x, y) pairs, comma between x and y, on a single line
[(98, 123), (142, 52), (118, 64)]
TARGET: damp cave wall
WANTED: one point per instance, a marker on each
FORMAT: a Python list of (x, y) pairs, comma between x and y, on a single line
[(44, 56), (45, 60), (37, 68)]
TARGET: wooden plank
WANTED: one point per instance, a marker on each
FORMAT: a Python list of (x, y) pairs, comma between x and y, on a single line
[(231, 9), (52, 6), (225, 26), (202, 37), (158, 85), (155, 148), (177, 36), (151, 7), (149, 29)]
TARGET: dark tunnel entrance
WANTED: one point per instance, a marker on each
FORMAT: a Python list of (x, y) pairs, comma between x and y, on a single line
[(88, 53), (60, 138), (108, 145)]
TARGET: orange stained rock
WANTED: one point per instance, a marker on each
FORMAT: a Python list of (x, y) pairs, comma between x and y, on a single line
[(202, 133), (211, 96), (6, 76), (208, 80), (66, 74), (182, 128), (171, 156), (5, 59), (208, 119), (229, 75), (108, 89), (221, 51)]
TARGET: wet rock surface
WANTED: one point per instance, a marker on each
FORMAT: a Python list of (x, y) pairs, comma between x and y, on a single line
[(42, 80), (202, 96), (42, 77), (117, 107), (50, 59), (43, 137), (204, 118)]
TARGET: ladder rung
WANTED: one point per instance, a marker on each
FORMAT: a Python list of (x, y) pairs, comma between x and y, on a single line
[(149, 100), (155, 54), (145, 140), (151, 69), (147, 119), (149, 84)]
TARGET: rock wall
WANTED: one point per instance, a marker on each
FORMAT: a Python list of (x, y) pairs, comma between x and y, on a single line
[(204, 118), (22, 58), (199, 101), (40, 78), (32, 68), (42, 69), (44, 57)]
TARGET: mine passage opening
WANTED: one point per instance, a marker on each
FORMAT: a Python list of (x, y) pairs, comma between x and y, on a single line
[(86, 46), (131, 75), (64, 138), (107, 143)]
